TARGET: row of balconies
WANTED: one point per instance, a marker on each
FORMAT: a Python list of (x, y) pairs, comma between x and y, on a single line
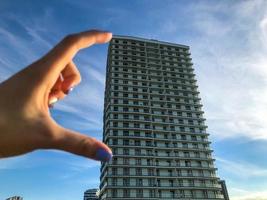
[(171, 157), (153, 78), (196, 186), (185, 116), (147, 57), (181, 131), (184, 140), (182, 144), (161, 146), (158, 110), (153, 90), (153, 103), (143, 49), (173, 81), (161, 166), (145, 95), (181, 136), (170, 108), (143, 85), (187, 69), (141, 119), (134, 87), (153, 49), (147, 175), (146, 127), (148, 66), (162, 62), (149, 61)]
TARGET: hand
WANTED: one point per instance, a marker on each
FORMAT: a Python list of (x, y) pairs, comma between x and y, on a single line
[(25, 121)]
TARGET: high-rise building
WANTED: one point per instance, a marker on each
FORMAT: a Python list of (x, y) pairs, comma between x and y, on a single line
[(154, 124), (91, 194)]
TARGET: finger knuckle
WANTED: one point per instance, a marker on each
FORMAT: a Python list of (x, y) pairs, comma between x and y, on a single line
[(71, 39)]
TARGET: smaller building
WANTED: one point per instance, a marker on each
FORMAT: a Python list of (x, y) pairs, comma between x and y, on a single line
[(15, 198), (91, 194), (224, 189)]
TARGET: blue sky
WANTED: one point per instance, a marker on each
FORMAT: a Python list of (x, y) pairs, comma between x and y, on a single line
[(228, 41)]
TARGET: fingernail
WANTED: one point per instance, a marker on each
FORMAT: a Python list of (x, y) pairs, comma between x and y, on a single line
[(53, 100), (103, 155), (69, 90)]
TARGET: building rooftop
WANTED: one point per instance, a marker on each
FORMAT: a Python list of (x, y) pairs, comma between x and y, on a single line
[(150, 40)]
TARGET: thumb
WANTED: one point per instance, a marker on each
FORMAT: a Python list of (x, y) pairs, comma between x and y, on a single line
[(82, 145)]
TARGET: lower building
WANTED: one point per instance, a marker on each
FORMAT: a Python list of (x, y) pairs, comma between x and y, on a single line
[(15, 198), (91, 194), (224, 189)]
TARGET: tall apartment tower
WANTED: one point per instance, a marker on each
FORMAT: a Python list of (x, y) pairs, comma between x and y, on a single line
[(154, 124)]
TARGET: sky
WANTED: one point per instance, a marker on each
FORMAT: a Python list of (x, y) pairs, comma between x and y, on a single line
[(228, 42)]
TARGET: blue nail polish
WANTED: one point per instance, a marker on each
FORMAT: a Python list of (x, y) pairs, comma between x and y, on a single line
[(103, 155)]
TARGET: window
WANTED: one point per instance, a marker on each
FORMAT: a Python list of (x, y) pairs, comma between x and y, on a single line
[(115, 132), (114, 171), (137, 133), (171, 183), (114, 192), (125, 133), (137, 143), (125, 125), (138, 161), (126, 161), (126, 182), (139, 193), (139, 182), (138, 152), (126, 151), (138, 171), (114, 141), (126, 193), (114, 181), (125, 142), (126, 171), (115, 108)]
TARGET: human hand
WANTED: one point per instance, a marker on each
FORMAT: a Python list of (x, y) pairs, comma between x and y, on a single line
[(25, 98)]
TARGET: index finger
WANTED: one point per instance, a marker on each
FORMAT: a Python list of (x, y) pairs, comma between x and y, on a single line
[(64, 51)]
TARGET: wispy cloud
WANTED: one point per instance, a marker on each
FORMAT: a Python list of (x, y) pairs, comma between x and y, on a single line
[(243, 170), (19, 162), (245, 180), (232, 69), (18, 51)]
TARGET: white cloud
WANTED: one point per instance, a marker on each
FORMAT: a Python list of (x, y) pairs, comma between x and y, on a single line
[(241, 194), (231, 66)]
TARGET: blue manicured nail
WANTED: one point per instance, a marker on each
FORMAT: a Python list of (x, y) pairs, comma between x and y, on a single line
[(103, 155)]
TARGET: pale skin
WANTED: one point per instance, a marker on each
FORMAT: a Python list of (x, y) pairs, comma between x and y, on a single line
[(26, 97)]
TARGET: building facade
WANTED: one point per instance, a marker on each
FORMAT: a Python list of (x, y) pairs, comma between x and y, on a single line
[(153, 122), (91, 194)]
